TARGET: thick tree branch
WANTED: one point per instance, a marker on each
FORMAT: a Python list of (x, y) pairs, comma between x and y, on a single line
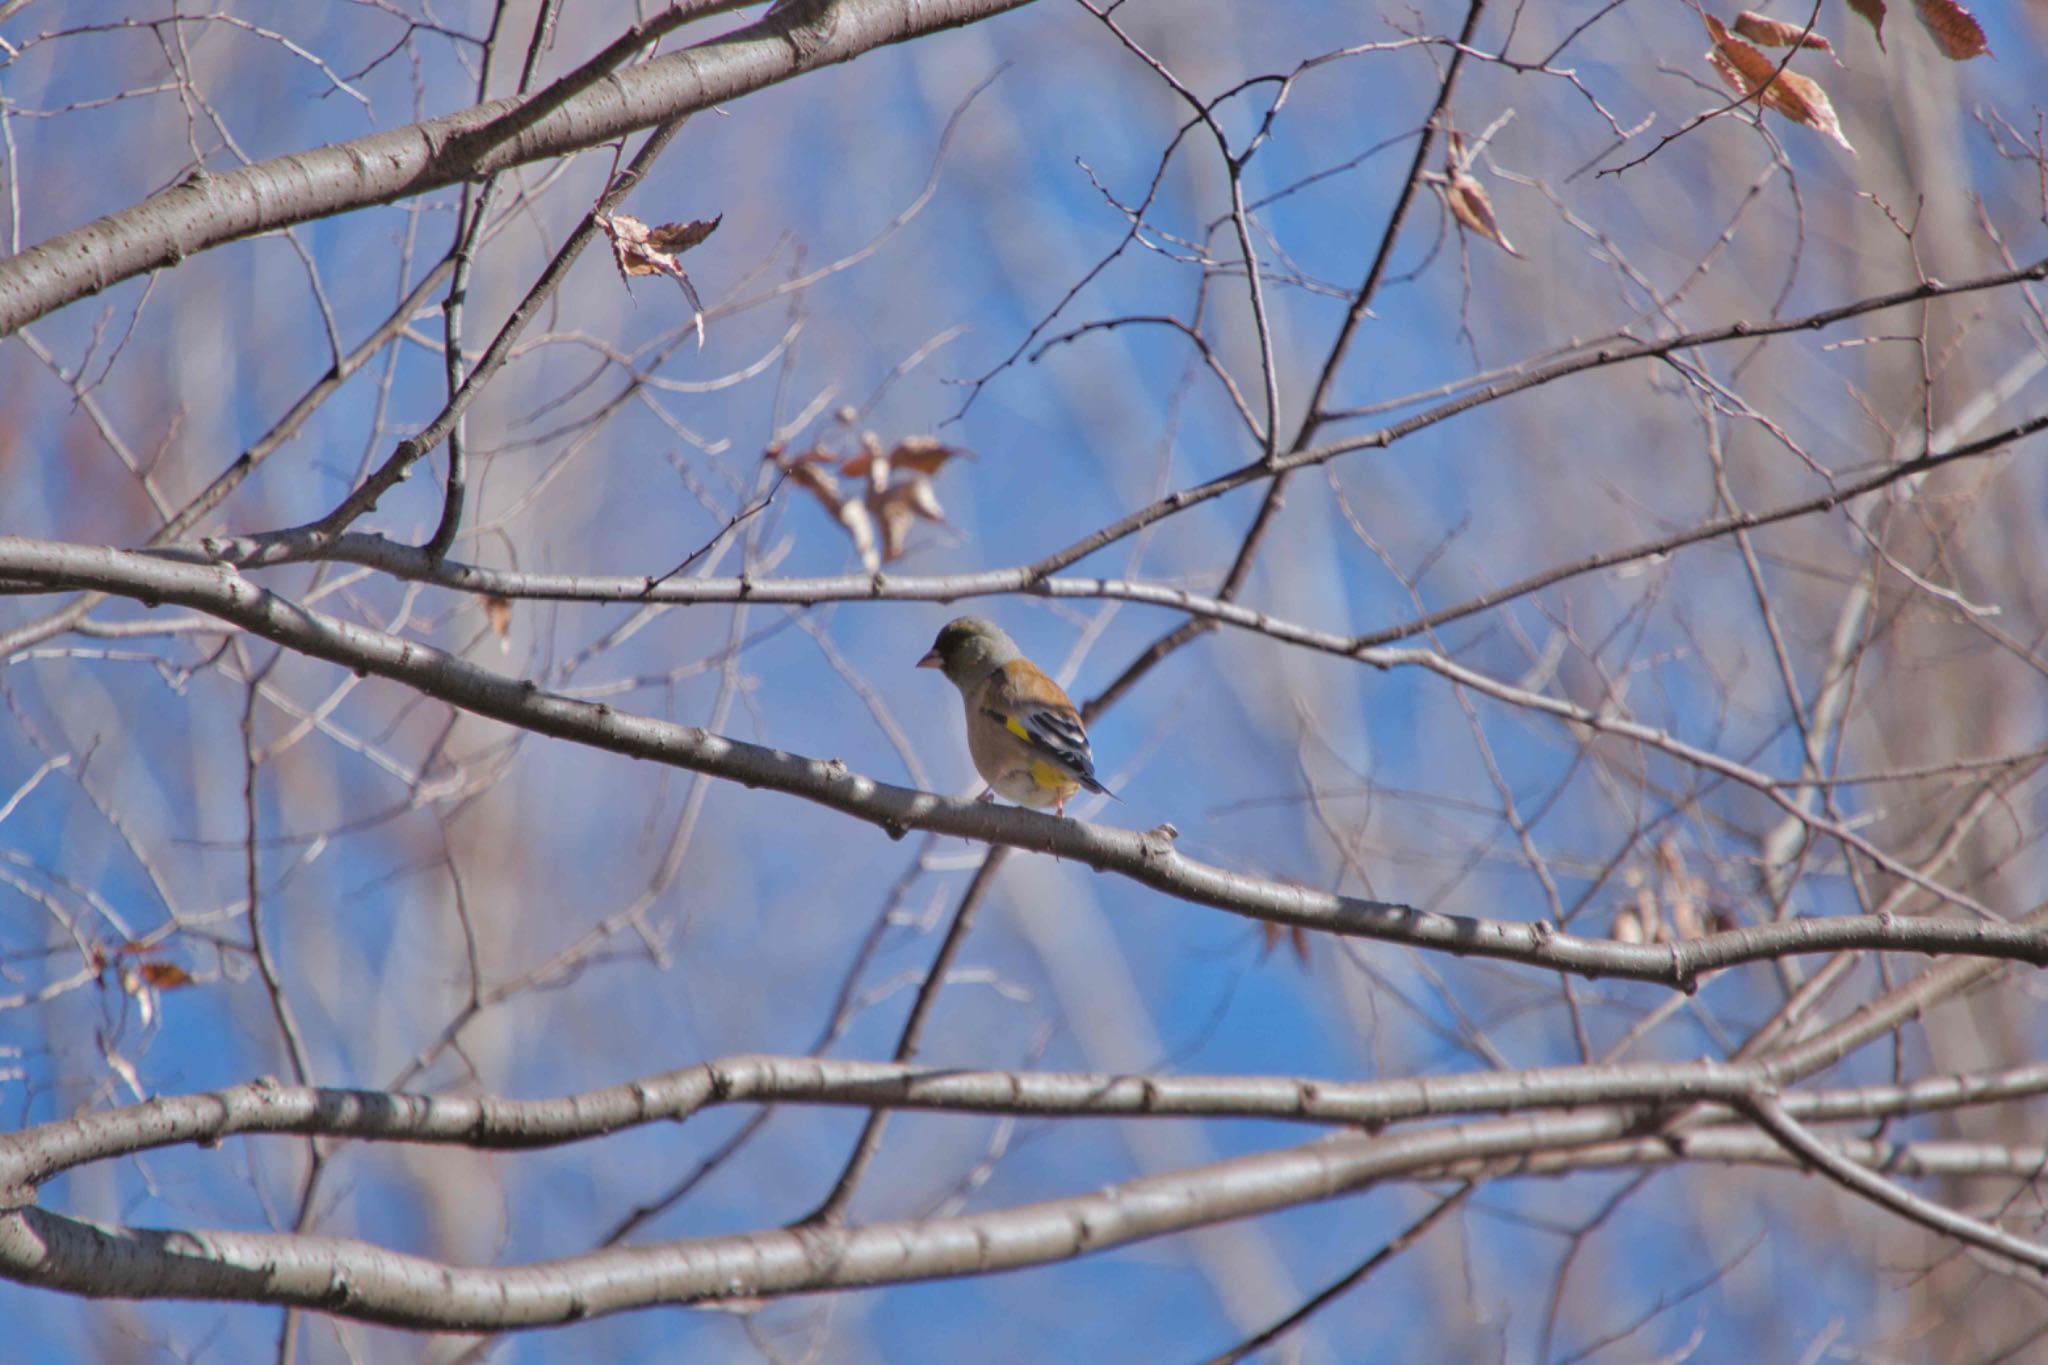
[(1148, 857), (208, 210), (357, 1280), (33, 1156)]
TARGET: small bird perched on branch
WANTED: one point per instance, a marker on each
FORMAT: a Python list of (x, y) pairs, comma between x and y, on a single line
[(1023, 731)]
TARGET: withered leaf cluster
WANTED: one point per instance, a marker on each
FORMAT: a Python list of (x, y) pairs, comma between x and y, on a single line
[(877, 494), (1750, 73), (1672, 903), (1737, 56)]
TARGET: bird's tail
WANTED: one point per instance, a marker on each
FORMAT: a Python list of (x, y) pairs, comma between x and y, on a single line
[(1088, 781)]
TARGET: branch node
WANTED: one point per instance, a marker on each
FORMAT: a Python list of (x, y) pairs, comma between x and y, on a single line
[(339, 1292)]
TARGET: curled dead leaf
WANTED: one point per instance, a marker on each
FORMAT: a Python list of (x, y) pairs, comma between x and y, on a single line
[(808, 472), (1468, 202), (860, 525), (498, 612), (1873, 14), (871, 462), (642, 250), (924, 454), (813, 455), (672, 239), (1680, 898), (919, 454), (901, 506), (1270, 936), (1954, 29), (166, 976), (923, 498), (1777, 33), (820, 483)]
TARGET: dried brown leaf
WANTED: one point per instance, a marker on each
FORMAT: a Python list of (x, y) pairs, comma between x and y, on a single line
[(1684, 894), (854, 516), (642, 250), (872, 462), (1954, 29), (813, 455), (1727, 70), (923, 454), (895, 519), (918, 454), (1873, 13), (1468, 202), (819, 481), (899, 507), (848, 512), (498, 612), (1750, 73), (1778, 33), (807, 470), (1801, 99), (165, 976), (673, 239), (1296, 936), (923, 496)]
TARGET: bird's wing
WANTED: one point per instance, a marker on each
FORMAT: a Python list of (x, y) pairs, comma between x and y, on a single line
[(1053, 732)]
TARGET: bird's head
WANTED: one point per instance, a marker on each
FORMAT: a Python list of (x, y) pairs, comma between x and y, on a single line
[(968, 650)]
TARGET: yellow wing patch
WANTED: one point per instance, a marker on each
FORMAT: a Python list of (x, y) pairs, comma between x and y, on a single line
[(1016, 727)]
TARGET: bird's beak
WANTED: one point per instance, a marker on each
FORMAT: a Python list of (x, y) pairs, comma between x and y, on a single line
[(931, 659)]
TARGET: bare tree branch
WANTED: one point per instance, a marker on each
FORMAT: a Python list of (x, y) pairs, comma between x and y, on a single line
[(208, 210), (1147, 857)]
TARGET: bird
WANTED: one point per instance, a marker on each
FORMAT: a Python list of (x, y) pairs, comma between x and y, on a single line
[(1022, 730)]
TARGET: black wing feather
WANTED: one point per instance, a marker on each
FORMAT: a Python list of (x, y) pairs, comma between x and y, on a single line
[(1057, 733)]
